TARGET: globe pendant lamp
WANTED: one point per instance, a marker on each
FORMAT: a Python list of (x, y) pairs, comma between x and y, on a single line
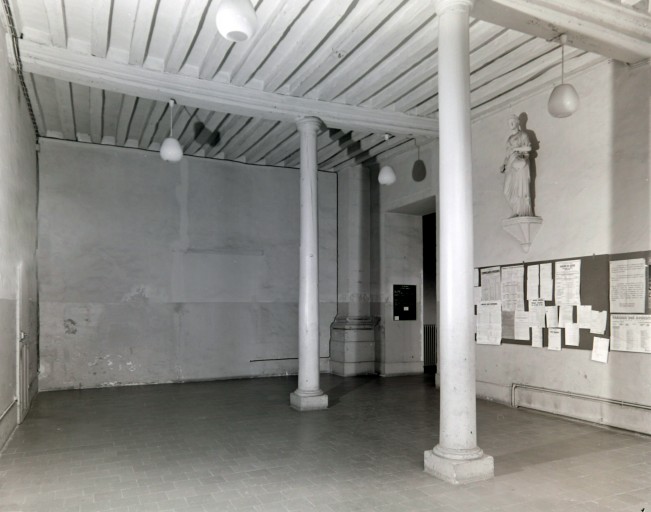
[(236, 20), (170, 149), (387, 175), (564, 99)]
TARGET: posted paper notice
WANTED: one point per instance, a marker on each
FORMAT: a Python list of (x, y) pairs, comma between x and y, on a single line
[(490, 284), (533, 282), (537, 337), (600, 349), (489, 323), (566, 315), (598, 320), (630, 333), (551, 314), (554, 338), (572, 335), (584, 317), (537, 313), (628, 286), (546, 281), (522, 325), (568, 282), (513, 288)]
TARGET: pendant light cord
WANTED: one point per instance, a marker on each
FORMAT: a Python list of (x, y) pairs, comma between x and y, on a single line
[(19, 64), (562, 63), (171, 117)]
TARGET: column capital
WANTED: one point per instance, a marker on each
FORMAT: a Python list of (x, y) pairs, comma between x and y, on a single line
[(455, 5), (308, 123)]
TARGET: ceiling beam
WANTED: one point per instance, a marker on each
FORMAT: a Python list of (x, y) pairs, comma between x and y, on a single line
[(87, 70), (598, 26)]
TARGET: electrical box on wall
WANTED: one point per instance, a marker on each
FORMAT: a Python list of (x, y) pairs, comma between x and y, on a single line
[(404, 302)]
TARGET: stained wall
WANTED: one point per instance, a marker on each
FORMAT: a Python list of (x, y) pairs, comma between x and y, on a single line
[(156, 272)]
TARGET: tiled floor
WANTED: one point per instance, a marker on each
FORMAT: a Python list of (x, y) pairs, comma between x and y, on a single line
[(236, 445)]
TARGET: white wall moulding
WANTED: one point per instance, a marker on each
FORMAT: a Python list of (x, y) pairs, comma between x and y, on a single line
[(91, 71), (523, 229)]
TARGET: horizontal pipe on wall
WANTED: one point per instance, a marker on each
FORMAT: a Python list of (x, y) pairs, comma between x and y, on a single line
[(613, 401), (6, 411)]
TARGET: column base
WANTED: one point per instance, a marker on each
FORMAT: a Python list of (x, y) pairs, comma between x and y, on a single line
[(459, 471), (308, 402)]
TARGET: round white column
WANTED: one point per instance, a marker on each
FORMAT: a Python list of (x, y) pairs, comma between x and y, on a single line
[(456, 458), (308, 396)]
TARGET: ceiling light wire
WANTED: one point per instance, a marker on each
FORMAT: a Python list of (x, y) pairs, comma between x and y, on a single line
[(19, 64)]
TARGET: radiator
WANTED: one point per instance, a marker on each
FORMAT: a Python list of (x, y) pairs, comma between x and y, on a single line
[(430, 345)]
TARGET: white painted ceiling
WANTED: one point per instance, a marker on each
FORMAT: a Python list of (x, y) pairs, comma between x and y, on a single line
[(100, 71)]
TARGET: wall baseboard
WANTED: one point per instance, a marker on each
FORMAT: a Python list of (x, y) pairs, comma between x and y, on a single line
[(8, 423), (395, 369)]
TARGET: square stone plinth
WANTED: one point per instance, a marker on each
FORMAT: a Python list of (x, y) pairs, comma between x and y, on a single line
[(308, 403), (459, 471)]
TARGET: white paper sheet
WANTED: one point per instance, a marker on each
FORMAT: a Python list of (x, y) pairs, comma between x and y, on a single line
[(508, 325), (477, 295), (533, 282), (572, 335), (584, 317), (513, 288), (600, 349), (551, 315), (568, 282), (566, 315), (489, 323), (628, 286), (598, 321), (475, 277), (537, 313), (522, 325), (554, 338), (490, 284), (546, 281), (630, 333), (537, 337)]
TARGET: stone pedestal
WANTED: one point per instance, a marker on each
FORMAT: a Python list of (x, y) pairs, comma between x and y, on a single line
[(459, 471), (352, 346), (304, 401), (523, 229)]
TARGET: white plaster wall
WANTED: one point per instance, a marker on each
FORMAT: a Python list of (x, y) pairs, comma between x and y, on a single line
[(18, 188), (397, 257), (153, 272), (592, 191)]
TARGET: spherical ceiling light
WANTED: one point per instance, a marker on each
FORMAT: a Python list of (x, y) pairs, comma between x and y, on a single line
[(236, 20), (170, 149), (564, 100), (387, 175)]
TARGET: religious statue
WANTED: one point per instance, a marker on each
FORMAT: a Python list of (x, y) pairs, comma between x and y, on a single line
[(516, 170)]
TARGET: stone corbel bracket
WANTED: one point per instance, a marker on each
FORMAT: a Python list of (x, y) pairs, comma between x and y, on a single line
[(523, 229)]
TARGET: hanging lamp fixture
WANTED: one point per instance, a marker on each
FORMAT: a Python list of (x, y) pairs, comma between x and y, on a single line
[(387, 175), (236, 20), (564, 99), (170, 149)]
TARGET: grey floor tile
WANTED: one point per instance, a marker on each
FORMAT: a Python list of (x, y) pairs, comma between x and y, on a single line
[(237, 446)]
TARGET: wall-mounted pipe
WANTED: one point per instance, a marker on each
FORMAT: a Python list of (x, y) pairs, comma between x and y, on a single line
[(613, 401), (6, 411)]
